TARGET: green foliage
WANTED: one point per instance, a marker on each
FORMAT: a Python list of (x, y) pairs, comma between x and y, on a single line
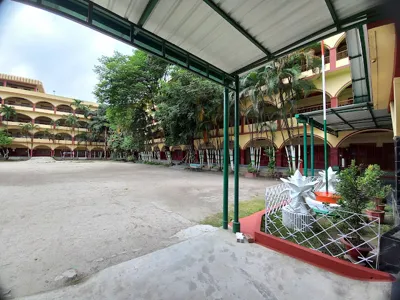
[(8, 112), (372, 184), (5, 141), (351, 188), (131, 158), (251, 169)]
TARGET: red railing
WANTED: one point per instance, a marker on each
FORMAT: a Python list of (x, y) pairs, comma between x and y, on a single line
[(305, 109), (342, 54), (346, 102)]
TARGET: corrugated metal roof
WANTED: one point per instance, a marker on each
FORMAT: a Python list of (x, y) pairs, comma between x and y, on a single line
[(279, 26)]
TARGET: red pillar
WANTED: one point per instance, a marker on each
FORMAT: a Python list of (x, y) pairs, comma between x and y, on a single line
[(51, 152), (334, 156), (5, 83), (34, 107), (278, 158), (73, 140), (55, 110), (2, 101), (334, 102), (31, 150), (332, 59), (242, 156)]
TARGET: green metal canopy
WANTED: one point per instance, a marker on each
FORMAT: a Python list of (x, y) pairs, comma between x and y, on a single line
[(219, 39), (350, 117)]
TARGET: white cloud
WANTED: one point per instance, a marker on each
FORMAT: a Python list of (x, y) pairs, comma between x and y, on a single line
[(59, 52)]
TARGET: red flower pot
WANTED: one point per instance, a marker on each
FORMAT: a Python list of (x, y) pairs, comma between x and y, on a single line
[(357, 251), (380, 207), (376, 213)]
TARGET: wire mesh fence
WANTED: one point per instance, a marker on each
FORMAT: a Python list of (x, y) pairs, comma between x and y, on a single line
[(346, 235)]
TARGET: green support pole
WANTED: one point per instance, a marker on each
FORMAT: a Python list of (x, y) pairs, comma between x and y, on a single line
[(236, 224), (326, 157), (305, 163), (226, 159), (312, 146)]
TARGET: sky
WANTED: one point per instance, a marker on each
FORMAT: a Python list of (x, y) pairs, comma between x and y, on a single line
[(60, 53)]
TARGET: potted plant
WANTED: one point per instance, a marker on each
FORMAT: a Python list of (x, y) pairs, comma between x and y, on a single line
[(353, 199), (251, 172), (375, 191)]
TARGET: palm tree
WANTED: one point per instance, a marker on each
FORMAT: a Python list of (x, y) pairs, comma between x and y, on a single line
[(27, 129), (7, 112), (279, 84), (98, 124)]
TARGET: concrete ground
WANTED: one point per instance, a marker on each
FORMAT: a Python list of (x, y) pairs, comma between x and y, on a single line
[(214, 266), (88, 216)]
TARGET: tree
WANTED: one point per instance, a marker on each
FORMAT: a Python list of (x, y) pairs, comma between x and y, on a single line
[(99, 124), (7, 112), (280, 85), (128, 85), (27, 129), (186, 104), (5, 142)]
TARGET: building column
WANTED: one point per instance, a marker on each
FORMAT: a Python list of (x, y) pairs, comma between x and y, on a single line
[(334, 156), (5, 83), (34, 107), (73, 140), (332, 59), (2, 101), (55, 110), (242, 156), (51, 152), (334, 102), (31, 151), (278, 158)]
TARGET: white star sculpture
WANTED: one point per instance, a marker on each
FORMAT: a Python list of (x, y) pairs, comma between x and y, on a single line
[(332, 180), (300, 188)]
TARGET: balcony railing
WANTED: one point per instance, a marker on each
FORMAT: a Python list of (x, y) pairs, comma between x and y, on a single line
[(346, 102), (342, 54), (327, 60), (305, 109)]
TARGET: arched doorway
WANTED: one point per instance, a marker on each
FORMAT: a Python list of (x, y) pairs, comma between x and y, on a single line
[(319, 161), (18, 150), (262, 143), (177, 153), (97, 153), (368, 147), (61, 150), (162, 153), (45, 106), (41, 151), (16, 101), (43, 120), (81, 152)]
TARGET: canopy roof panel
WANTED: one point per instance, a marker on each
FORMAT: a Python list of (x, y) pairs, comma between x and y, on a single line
[(217, 38), (350, 117)]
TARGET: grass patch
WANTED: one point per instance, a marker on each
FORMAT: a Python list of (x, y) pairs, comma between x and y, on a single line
[(246, 208)]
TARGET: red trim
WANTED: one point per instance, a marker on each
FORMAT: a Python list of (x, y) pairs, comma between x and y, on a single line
[(379, 23), (332, 59), (334, 102), (321, 260), (252, 225)]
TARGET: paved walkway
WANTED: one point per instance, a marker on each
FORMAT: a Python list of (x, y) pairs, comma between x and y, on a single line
[(214, 266)]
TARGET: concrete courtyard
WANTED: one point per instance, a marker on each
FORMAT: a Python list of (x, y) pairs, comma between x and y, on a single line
[(88, 216)]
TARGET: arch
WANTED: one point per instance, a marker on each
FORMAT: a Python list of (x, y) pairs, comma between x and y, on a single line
[(18, 101), (59, 150), (62, 136), (343, 87), (175, 148), (83, 124), (247, 145), (41, 135), (341, 38), (43, 120), (61, 122), (361, 131), (314, 91), (41, 150), (297, 136), (165, 148), (64, 108), (18, 150), (207, 145), (79, 111), (21, 118), (45, 105), (81, 151), (16, 133)]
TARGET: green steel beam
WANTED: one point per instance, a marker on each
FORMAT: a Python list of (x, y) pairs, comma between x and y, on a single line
[(236, 150), (301, 118), (341, 118), (96, 17), (364, 57), (239, 28), (373, 116), (333, 13), (312, 146), (226, 161), (355, 21), (147, 12), (305, 163)]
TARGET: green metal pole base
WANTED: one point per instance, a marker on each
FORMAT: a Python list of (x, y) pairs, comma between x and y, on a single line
[(225, 224), (236, 227)]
